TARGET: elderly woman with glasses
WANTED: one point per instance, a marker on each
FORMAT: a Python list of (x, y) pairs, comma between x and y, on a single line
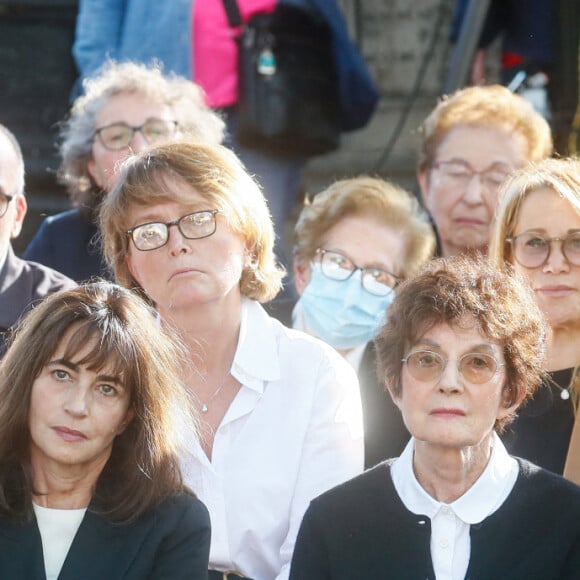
[(461, 351), (354, 242), (281, 418), (537, 234), (125, 108), (470, 143)]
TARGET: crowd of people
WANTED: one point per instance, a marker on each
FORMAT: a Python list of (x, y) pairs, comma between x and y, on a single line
[(409, 410)]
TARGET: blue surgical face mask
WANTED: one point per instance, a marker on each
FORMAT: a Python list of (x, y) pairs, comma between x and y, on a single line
[(342, 312)]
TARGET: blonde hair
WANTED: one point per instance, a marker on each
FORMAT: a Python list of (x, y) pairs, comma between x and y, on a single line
[(561, 176), (216, 174), (369, 197), (490, 106)]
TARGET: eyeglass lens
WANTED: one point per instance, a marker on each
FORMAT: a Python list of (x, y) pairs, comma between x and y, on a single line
[(460, 174), (193, 226), (474, 367), (120, 135), (336, 266), (532, 250)]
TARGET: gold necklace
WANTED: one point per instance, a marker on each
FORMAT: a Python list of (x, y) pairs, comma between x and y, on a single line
[(204, 407)]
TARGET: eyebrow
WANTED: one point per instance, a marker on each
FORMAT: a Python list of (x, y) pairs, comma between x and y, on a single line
[(149, 218), (482, 347), (544, 231), (76, 368)]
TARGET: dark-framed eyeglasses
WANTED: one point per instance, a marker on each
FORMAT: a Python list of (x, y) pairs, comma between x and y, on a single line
[(337, 266), (428, 366), (4, 203), (532, 250), (193, 226), (119, 136), (460, 174)]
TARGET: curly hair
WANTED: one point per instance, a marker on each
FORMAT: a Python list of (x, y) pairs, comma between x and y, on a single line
[(449, 291), (185, 98)]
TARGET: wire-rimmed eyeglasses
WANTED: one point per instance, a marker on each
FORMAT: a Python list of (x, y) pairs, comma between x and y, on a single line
[(428, 366), (532, 250), (119, 136), (337, 266), (193, 226)]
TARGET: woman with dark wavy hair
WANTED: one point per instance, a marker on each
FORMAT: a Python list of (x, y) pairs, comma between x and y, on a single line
[(90, 485)]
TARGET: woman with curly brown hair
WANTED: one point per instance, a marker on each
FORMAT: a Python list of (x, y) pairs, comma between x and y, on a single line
[(462, 349)]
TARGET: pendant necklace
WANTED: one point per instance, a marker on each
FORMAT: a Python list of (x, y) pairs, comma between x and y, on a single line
[(204, 407)]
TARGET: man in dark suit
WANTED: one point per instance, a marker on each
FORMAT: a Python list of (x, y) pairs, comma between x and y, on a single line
[(21, 282)]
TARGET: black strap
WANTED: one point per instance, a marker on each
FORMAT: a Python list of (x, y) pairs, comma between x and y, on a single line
[(233, 13)]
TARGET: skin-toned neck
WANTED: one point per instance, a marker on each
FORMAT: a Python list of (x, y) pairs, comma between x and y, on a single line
[(562, 352), (210, 331), (447, 473), (449, 250), (65, 488)]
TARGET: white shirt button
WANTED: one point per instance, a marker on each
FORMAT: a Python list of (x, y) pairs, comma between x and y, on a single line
[(444, 543)]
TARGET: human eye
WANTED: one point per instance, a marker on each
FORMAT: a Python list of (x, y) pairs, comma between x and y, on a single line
[(534, 242), (456, 170), (156, 128), (119, 134), (61, 375), (425, 359), (107, 390), (573, 243), (494, 178), (150, 235), (479, 367)]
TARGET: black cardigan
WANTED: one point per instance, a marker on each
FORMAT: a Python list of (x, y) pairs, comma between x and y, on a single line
[(361, 529)]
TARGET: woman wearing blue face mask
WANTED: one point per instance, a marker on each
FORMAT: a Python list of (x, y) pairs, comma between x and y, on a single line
[(354, 242)]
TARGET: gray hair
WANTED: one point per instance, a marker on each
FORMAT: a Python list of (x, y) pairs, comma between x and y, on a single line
[(196, 120)]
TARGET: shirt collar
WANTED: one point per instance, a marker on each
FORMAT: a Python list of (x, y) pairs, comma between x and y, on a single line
[(256, 360), (483, 498)]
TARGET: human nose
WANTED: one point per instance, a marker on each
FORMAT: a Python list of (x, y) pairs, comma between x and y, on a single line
[(450, 380), (474, 190), (176, 240), (138, 141), (76, 402), (556, 260)]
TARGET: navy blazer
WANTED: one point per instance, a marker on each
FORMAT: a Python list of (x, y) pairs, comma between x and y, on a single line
[(69, 242), (169, 542)]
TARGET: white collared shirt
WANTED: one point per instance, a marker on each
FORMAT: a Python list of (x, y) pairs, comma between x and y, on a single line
[(293, 431), (450, 523)]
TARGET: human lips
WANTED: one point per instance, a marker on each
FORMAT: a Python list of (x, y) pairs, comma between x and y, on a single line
[(183, 272), (469, 221), (69, 435), (447, 412), (556, 290)]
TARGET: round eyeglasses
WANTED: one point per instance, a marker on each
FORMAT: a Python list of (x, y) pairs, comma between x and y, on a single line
[(337, 266), (119, 136), (4, 203), (193, 226), (532, 250), (459, 174), (428, 366)]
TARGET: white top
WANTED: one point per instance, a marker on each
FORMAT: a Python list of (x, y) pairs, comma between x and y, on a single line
[(450, 523), (293, 431), (57, 531)]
